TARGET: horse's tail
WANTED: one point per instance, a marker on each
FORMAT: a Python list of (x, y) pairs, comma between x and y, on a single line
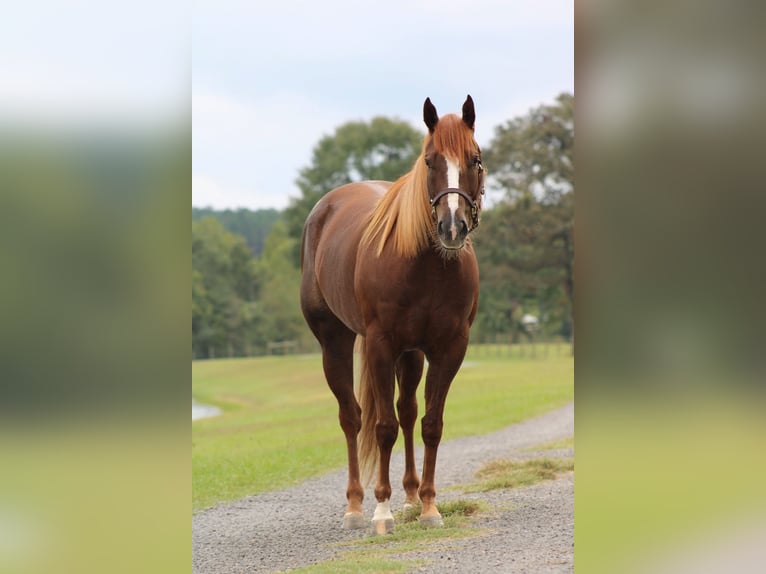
[(367, 441)]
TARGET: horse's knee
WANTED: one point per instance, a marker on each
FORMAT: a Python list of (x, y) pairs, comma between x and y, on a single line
[(431, 431), (386, 433)]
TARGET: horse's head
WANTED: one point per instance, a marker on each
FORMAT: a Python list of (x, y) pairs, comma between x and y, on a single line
[(455, 177)]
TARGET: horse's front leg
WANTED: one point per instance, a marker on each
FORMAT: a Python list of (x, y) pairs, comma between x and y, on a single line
[(380, 361), (442, 368)]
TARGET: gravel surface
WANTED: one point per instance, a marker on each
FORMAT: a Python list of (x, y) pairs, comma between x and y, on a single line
[(526, 530)]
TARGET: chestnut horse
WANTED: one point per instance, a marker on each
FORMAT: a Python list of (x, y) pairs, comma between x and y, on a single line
[(392, 263)]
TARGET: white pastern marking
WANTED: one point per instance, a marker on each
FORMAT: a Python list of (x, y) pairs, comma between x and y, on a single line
[(453, 199), (383, 511)]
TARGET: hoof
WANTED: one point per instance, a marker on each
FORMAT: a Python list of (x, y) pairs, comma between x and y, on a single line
[(431, 521), (353, 520), (383, 526)]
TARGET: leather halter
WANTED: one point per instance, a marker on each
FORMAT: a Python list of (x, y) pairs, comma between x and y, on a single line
[(474, 205)]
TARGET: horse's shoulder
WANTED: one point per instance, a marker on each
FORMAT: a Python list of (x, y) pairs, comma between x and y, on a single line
[(374, 188), (377, 186), (352, 199)]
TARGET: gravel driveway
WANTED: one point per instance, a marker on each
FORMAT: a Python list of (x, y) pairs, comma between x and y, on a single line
[(527, 530)]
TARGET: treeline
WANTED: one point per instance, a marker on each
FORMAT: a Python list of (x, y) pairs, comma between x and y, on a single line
[(253, 226), (245, 263)]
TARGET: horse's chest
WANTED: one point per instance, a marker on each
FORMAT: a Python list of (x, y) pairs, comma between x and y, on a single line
[(418, 301)]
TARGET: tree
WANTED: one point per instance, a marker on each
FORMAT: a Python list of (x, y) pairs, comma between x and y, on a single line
[(526, 252), (224, 289), (382, 149), (527, 239), (533, 154), (278, 314), (254, 226)]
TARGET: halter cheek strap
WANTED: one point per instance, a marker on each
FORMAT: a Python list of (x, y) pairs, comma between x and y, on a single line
[(474, 205)]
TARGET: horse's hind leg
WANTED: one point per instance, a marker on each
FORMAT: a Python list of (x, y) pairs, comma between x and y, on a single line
[(379, 372), (337, 359), (409, 370)]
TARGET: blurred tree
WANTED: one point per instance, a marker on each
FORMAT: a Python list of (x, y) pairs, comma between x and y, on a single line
[(382, 149), (224, 289), (278, 314), (526, 245), (254, 226), (533, 154)]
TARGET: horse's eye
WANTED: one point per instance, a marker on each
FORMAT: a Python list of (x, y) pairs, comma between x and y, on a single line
[(476, 161), (428, 163)]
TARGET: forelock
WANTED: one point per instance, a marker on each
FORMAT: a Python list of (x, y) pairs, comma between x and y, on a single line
[(453, 138)]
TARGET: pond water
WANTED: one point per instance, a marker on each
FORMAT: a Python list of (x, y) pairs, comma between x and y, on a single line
[(200, 411)]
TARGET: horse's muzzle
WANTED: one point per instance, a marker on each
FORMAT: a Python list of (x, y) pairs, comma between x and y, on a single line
[(452, 231), (452, 227)]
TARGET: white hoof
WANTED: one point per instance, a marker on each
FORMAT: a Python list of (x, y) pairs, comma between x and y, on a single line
[(384, 526), (354, 520), (383, 520)]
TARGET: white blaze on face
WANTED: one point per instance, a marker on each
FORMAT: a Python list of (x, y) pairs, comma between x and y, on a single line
[(453, 199)]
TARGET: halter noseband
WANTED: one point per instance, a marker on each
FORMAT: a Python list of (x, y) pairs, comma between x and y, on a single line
[(474, 205)]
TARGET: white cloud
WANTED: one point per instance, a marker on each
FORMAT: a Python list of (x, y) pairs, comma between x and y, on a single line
[(498, 13), (72, 62), (71, 97), (270, 80), (256, 145), (208, 192)]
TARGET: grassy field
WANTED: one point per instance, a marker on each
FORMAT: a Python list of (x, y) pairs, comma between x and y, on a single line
[(279, 423)]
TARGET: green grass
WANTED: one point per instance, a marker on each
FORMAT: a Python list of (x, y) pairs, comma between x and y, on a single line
[(456, 509), (514, 474), (665, 475), (280, 421)]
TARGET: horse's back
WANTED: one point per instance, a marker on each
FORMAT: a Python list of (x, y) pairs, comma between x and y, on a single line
[(331, 237), (342, 211)]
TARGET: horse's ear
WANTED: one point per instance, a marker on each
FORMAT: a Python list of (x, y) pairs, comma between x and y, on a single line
[(430, 117), (469, 114)]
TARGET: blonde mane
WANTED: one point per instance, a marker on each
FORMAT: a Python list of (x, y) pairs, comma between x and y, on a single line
[(403, 213)]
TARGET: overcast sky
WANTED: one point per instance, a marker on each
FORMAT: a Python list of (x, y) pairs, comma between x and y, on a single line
[(271, 78)]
